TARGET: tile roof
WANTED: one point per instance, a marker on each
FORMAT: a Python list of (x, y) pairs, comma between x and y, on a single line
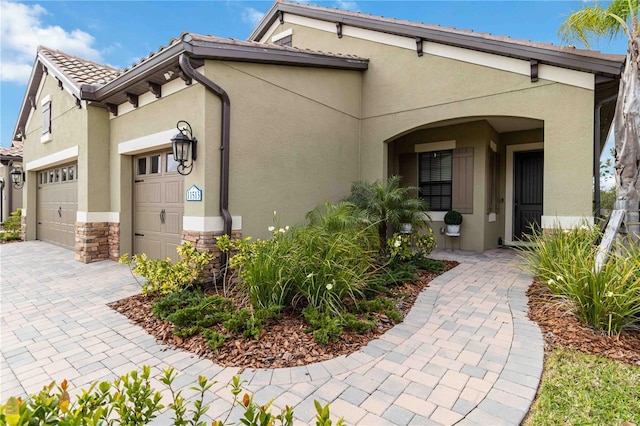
[(78, 70), (15, 150)]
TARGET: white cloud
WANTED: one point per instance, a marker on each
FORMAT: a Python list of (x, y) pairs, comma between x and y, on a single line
[(22, 31), (347, 5), (252, 16)]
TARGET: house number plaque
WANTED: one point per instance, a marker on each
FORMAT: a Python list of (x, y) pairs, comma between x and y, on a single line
[(194, 193)]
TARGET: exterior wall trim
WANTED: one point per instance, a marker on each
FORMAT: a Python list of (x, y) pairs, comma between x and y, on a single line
[(54, 159), (156, 140), (518, 66), (209, 223), (508, 196), (113, 217), (282, 35)]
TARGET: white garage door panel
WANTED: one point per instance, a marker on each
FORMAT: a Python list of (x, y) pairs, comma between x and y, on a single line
[(57, 204)]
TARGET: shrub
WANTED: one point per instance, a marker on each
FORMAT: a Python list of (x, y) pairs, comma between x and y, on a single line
[(388, 205), (164, 276), (608, 300), (13, 226), (130, 400), (453, 217), (325, 327)]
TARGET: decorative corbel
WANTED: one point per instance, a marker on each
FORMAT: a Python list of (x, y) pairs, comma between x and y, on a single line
[(113, 109), (59, 83), (281, 17), (419, 45), (78, 102), (534, 70), (339, 29), (133, 99), (155, 88), (44, 69)]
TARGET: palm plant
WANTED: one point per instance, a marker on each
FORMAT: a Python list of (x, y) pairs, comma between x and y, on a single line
[(595, 21), (389, 205)]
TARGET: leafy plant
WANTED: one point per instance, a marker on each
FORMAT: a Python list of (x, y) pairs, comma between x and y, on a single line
[(608, 300), (164, 276), (389, 205), (130, 400), (453, 217), (325, 327), (12, 226)]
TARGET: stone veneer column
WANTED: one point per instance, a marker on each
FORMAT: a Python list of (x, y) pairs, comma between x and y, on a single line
[(114, 240), (92, 241), (206, 241)]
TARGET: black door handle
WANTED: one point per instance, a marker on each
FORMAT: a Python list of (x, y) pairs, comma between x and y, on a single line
[(162, 216)]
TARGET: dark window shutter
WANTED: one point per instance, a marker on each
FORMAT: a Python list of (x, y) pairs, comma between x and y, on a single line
[(463, 180), (46, 118)]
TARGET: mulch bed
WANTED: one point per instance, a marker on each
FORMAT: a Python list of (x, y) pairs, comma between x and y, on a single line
[(282, 344), (561, 329)]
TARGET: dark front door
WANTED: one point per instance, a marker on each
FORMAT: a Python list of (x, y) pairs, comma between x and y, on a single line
[(527, 197)]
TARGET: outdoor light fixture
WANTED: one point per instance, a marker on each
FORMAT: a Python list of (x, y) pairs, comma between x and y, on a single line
[(184, 147), (17, 176)]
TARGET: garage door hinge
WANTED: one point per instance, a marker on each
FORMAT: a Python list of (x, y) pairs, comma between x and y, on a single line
[(138, 235), (138, 180)]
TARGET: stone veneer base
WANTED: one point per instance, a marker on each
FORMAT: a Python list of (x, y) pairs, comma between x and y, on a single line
[(206, 241), (96, 241)]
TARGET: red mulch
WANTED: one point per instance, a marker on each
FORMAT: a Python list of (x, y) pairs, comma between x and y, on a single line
[(282, 344), (562, 329)]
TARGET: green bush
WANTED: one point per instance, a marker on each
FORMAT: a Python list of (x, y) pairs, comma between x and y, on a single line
[(131, 400), (608, 300), (164, 276), (12, 226)]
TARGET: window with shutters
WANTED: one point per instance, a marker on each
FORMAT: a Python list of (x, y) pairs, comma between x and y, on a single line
[(435, 179)]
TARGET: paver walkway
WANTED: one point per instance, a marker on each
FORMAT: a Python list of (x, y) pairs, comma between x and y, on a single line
[(466, 353)]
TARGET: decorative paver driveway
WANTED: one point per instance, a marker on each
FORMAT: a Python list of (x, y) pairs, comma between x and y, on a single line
[(465, 354)]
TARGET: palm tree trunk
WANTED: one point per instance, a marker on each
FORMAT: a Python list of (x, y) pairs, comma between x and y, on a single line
[(627, 141)]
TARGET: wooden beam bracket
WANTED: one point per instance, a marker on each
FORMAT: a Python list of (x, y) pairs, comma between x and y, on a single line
[(419, 46), (155, 88), (534, 70), (339, 29), (133, 99), (113, 109)]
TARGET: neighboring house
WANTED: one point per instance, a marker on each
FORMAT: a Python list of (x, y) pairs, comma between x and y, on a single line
[(508, 132), (10, 196)]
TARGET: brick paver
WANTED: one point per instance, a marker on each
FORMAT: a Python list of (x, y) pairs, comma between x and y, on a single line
[(465, 354)]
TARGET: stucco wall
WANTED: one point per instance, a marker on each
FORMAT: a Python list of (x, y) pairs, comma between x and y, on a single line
[(294, 139), (402, 92), (68, 129)]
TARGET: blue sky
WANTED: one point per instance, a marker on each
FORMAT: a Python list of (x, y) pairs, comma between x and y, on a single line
[(118, 33)]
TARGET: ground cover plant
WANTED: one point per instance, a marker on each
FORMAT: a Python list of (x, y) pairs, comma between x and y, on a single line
[(132, 400), (11, 227), (320, 289)]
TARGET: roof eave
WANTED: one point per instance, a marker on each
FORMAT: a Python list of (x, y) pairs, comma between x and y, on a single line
[(138, 73), (223, 51), (504, 48)]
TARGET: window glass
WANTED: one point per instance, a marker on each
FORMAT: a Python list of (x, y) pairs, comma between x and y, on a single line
[(142, 166), (172, 165), (56, 174), (40, 178), (71, 172), (50, 176), (155, 164), (436, 171), (64, 174)]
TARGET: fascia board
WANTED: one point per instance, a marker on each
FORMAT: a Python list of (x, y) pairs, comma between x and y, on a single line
[(222, 51), (32, 89), (593, 65)]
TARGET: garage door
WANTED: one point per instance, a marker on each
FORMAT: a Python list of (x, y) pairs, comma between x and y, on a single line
[(158, 206), (57, 204)]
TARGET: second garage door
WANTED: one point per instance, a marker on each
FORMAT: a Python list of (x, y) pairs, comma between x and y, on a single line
[(57, 204), (158, 206)]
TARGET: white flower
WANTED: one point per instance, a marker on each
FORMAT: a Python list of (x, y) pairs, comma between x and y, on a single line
[(274, 212), (281, 230), (271, 228), (609, 294), (329, 286), (551, 281), (397, 243), (286, 227), (560, 278)]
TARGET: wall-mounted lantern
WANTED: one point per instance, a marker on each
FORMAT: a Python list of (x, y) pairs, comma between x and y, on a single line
[(184, 147), (18, 177)]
